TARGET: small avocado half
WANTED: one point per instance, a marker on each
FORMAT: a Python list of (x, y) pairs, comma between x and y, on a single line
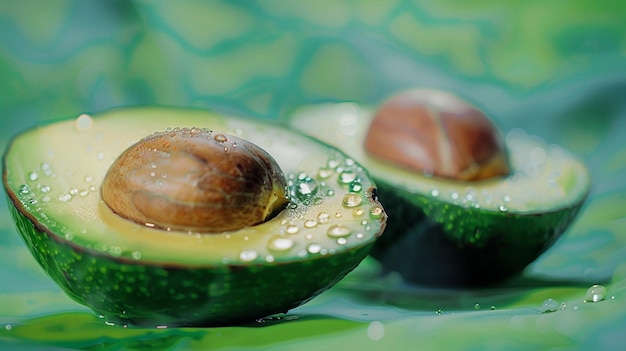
[(444, 232), (130, 273)]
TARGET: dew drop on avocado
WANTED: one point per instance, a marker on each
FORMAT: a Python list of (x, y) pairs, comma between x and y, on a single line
[(323, 217), (314, 248), (248, 255), (292, 229), (83, 122), (280, 243), (595, 293), (352, 200), (338, 230), (347, 176), (549, 305), (310, 223)]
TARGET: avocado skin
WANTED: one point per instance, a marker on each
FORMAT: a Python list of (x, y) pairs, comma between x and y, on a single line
[(434, 243), (144, 294)]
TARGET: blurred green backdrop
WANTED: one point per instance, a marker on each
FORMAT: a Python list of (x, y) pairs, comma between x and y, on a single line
[(556, 69)]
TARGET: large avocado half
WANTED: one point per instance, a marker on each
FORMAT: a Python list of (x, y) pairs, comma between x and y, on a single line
[(130, 273), (446, 232)]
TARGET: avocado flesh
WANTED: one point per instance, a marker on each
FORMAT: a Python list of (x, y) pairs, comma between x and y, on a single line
[(448, 233), (131, 273)]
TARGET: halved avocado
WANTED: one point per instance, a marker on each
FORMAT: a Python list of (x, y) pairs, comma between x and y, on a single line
[(446, 232), (130, 273)]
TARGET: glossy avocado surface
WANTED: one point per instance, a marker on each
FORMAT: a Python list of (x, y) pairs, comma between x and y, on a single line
[(131, 273), (444, 232)]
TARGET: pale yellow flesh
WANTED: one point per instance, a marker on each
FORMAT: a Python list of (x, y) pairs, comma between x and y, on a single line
[(70, 159), (544, 177)]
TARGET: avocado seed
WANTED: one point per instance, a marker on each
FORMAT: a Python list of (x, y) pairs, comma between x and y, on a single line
[(437, 133), (195, 180)]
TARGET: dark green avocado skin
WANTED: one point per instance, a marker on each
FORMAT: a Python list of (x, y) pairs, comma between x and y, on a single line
[(142, 294), (443, 245)]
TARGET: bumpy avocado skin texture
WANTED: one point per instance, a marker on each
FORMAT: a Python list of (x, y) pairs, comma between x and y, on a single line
[(440, 244), (152, 292), (149, 295)]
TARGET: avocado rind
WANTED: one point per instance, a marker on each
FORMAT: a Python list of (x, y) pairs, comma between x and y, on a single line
[(450, 233), (135, 278)]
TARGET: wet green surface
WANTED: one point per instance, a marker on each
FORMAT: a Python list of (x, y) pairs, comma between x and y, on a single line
[(557, 70)]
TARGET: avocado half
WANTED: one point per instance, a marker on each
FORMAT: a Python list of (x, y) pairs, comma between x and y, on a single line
[(444, 232), (130, 273)]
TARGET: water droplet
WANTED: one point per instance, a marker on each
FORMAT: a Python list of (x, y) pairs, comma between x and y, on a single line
[(92, 188), (595, 293), (493, 308), (360, 235), (376, 212), (73, 191), (330, 192), (503, 208), (314, 248), (338, 215), (356, 186), (45, 198), (280, 243), (33, 176), (323, 217), (292, 229), (24, 189), (477, 306), (332, 163), (100, 156), (454, 195), (347, 176), (324, 173), (439, 312), (83, 122), (220, 138), (549, 305), (434, 193), (352, 200), (342, 241), (248, 255), (357, 212), (338, 230), (306, 186), (88, 179), (375, 330), (310, 223), (115, 251), (65, 197)]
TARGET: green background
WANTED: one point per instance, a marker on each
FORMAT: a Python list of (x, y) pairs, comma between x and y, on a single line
[(556, 69)]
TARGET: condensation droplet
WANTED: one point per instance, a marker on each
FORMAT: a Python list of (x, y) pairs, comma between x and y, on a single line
[(323, 217), (88, 179), (220, 138), (324, 173), (503, 208), (434, 193), (330, 192), (248, 255), (356, 187), (477, 306), (352, 200), (73, 191), (346, 177), (342, 241), (376, 212), (65, 197), (357, 212), (24, 189), (360, 235), (549, 305), (279, 243), (375, 330), (310, 223), (292, 229), (100, 156), (338, 230), (595, 293), (83, 122), (33, 176), (314, 248)]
